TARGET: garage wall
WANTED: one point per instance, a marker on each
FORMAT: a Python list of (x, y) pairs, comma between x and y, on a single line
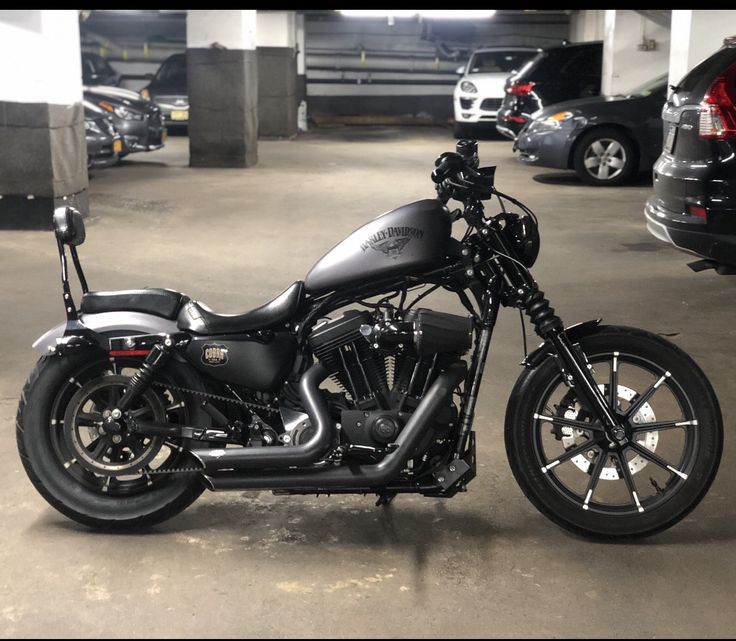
[(368, 68)]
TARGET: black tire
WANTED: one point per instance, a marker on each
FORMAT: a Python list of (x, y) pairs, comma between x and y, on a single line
[(606, 139), (169, 495), (550, 492)]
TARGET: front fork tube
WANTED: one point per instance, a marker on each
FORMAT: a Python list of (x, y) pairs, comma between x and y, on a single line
[(578, 372), (475, 375)]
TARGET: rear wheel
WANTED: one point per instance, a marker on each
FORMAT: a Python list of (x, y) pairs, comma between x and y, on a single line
[(98, 473), (605, 156), (568, 469)]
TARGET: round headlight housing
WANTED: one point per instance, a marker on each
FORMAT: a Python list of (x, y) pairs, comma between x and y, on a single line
[(468, 87), (523, 233)]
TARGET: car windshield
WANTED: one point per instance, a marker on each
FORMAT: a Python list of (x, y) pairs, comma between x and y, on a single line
[(649, 87), (173, 71), (499, 61)]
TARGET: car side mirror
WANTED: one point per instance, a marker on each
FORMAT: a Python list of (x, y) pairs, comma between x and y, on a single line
[(460, 70)]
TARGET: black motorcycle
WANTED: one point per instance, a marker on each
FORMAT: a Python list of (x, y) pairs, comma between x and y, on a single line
[(143, 398)]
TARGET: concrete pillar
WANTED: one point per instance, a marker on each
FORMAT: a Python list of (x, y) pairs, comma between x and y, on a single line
[(277, 73), (301, 59), (696, 34), (43, 155), (586, 25), (222, 76), (635, 50)]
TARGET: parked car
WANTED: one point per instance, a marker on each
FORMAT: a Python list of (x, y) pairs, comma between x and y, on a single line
[(480, 89), (139, 121), (97, 71), (606, 140), (554, 75), (694, 201), (168, 89), (104, 142)]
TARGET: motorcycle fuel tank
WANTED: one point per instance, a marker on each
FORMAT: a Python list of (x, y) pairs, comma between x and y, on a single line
[(400, 241)]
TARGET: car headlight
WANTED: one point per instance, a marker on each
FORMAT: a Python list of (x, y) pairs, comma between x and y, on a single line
[(92, 127), (555, 120), (468, 87), (121, 112)]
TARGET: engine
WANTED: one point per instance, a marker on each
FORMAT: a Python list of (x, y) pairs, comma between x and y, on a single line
[(383, 365)]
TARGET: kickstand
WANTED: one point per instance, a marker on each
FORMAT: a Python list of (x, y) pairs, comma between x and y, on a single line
[(385, 498)]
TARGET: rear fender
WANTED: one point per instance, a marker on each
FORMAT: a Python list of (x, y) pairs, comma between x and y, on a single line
[(575, 333), (128, 322)]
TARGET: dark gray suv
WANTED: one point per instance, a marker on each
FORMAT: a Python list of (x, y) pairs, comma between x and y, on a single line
[(694, 201)]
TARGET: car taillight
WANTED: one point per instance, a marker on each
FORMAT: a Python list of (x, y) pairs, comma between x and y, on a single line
[(697, 210), (520, 88), (717, 112)]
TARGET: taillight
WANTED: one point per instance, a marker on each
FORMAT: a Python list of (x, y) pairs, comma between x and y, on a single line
[(697, 210), (520, 88), (717, 112)]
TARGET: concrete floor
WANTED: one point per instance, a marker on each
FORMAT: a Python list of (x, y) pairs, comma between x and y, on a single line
[(250, 564)]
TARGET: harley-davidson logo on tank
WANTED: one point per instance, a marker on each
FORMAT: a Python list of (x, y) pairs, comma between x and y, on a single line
[(214, 354), (392, 240)]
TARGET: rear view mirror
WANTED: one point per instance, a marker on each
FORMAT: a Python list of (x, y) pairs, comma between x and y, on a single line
[(460, 70)]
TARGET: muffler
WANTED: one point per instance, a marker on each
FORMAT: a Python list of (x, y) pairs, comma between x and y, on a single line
[(348, 476), (243, 458)]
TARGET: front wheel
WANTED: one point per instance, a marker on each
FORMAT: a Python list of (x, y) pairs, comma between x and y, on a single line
[(568, 469), (605, 156)]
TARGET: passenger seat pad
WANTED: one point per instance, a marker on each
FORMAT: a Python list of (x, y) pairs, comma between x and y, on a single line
[(159, 302)]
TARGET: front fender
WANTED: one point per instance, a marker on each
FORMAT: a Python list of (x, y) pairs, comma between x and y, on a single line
[(575, 333), (135, 322)]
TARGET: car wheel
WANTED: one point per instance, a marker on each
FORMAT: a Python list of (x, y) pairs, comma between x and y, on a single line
[(605, 156)]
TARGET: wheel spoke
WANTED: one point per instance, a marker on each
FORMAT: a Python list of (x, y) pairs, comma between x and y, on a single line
[(628, 479), (613, 148), (89, 419), (598, 148), (648, 454), (142, 411), (643, 398), (99, 446), (569, 422), (662, 425), (616, 163), (595, 476), (613, 384), (592, 162), (568, 454)]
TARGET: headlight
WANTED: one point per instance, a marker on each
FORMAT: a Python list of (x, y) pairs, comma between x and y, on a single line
[(92, 127), (556, 119), (468, 87), (145, 94), (121, 112)]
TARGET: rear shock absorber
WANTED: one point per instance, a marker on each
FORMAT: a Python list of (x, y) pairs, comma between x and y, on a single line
[(541, 314)]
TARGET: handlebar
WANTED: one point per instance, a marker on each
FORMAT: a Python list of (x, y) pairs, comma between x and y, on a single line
[(457, 174)]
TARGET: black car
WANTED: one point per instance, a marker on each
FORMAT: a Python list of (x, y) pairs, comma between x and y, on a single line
[(554, 75), (104, 143), (694, 201), (606, 140), (168, 89), (97, 71), (139, 121)]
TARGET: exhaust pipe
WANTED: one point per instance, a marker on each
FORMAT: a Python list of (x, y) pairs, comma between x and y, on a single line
[(352, 476), (215, 460)]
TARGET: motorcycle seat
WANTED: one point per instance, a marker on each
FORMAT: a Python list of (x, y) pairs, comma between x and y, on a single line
[(197, 318), (159, 302)]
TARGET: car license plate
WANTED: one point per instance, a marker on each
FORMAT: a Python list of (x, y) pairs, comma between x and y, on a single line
[(669, 142), (180, 115), (117, 146)]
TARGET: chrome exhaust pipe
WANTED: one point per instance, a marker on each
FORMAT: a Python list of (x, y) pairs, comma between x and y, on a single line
[(352, 476), (244, 458)]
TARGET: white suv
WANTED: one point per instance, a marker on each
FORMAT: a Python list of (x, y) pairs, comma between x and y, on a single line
[(479, 92)]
